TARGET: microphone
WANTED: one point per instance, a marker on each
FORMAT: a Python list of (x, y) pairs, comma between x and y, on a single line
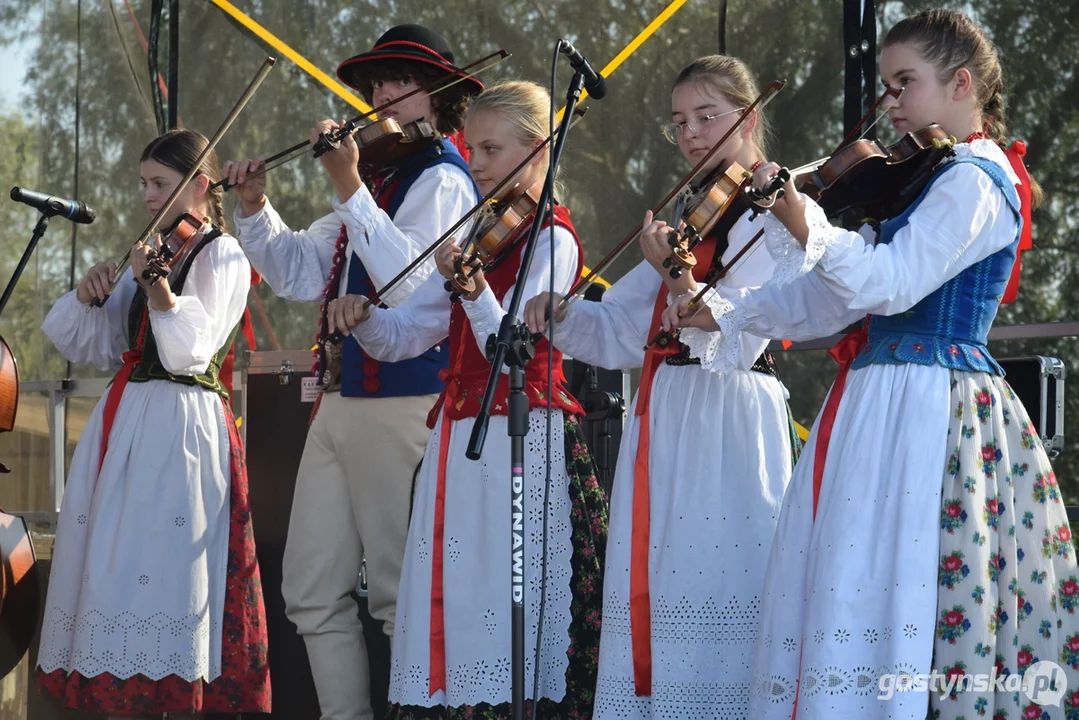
[(593, 81), (71, 209)]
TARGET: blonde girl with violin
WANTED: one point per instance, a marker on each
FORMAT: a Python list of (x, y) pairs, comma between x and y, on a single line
[(924, 531), (705, 457), (451, 652), (155, 604)]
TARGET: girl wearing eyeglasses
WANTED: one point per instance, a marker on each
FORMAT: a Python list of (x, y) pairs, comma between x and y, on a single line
[(705, 457)]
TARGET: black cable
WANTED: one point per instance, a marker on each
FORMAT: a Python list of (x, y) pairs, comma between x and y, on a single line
[(75, 189), (542, 212), (160, 114), (722, 27)]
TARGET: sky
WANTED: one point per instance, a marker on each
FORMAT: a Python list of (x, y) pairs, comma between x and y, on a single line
[(14, 59)]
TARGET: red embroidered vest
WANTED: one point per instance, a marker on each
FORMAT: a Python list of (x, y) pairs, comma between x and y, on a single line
[(466, 378)]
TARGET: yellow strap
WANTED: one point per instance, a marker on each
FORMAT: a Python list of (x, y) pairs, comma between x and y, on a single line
[(585, 272), (635, 43), (279, 45), (803, 434), (344, 93)]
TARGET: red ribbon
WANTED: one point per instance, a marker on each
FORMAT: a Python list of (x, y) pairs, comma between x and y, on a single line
[(640, 601), (1015, 155), (131, 358), (437, 676), (843, 352)]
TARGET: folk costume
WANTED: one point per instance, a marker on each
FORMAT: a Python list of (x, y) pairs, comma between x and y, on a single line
[(155, 603), (369, 431), (451, 651), (924, 529), (704, 461)]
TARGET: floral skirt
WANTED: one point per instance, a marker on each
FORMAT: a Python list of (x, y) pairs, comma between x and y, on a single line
[(1008, 584), (244, 683), (588, 519)]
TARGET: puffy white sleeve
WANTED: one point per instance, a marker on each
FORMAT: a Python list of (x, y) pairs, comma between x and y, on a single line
[(963, 219), (485, 314), (410, 329), (212, 302), (804, 309), (611, 333), (435, 201), (295, 263), (756, 267), (97, 336)]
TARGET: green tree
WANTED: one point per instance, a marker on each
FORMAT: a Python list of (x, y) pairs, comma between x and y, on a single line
[(616, 165)]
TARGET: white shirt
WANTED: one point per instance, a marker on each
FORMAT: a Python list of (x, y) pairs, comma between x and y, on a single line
[(962, 220), (297, 263), (423, 320)]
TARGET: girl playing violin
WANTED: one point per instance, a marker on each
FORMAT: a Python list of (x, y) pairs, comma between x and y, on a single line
[(927, 533), (452, 648), (155, 603), (705, 457), (367, 436)]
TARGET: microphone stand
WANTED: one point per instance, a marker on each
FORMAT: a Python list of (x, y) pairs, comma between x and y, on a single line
[(513, 346), (39, 230)]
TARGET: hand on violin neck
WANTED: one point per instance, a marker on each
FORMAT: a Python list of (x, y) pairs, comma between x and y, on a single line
[(479, 281), (248, 183), (96, 283), (341, 163), (655, 241), (346, 312), (158, 293), (447, 257), (789, 206)]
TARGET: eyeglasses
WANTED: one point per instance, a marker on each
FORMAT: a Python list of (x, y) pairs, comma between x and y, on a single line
[(673, 131)]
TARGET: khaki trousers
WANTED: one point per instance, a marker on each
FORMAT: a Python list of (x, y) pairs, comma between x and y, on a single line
[(352, 501)]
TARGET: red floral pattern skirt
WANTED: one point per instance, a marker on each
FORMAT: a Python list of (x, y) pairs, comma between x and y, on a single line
[(244, 683)]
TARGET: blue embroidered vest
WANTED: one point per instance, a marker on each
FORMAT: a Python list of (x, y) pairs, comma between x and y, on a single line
[(362, 375), (950, 326)]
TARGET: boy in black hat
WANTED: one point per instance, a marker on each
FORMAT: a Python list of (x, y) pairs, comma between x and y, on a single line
[(368, 433)]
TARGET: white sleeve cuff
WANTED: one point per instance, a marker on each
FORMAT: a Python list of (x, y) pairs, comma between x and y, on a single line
[(792, 260), (717, 351)]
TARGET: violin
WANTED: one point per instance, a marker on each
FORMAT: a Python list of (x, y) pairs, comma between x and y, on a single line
[(196, 168), (727, 190), (496, 226), (20, 585), (759, 103), (865, 180), (386, 143), (189, 226), (331, 139)]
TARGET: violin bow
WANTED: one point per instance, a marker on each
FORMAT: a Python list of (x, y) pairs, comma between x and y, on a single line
[(327, 140), (376, 299), (762, 100), (484, 202), (196, 168)]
